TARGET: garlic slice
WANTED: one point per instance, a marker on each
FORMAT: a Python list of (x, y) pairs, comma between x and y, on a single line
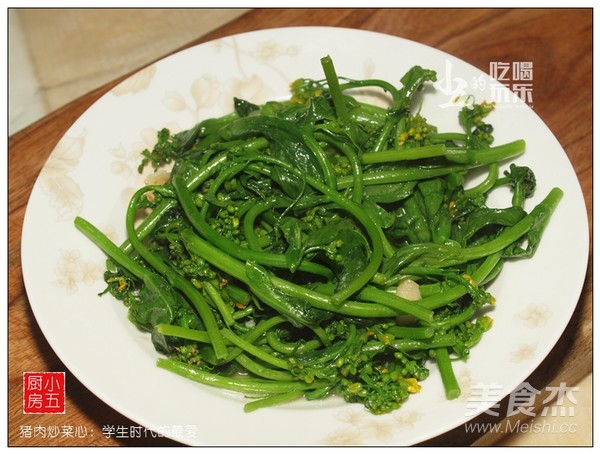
[(409, 290)]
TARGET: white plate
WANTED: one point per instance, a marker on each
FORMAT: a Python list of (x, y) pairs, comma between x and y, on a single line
[(92, 173)]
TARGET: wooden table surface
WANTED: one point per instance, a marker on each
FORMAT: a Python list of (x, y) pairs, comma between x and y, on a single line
[(557, 41)]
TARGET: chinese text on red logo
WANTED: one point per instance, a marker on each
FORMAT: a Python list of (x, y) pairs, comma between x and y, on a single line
[(43, 392)]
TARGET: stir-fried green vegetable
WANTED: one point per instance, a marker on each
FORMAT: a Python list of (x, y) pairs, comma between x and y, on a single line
[(322, 245)]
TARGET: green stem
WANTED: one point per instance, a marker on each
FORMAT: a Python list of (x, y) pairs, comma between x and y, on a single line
[(195, 180), (271, 401), (373, 231), (396, 303), (217, 299), (451, 386), (487, 184), (408, 345), (290, 348), (449, 136), (186, 199), (175, 279), (411, 332), (247, 386), (339, 103), (408, 154), (249, 220), (255, 351), (261, 371), (255, 333), (318, 300), (352, 156), (150, 222), (444, 298), (183, 333), (486, 156), (364, 83), (400, 175), (324, 163), (109, 248), (456, 319), (464, 160), (538, 216)]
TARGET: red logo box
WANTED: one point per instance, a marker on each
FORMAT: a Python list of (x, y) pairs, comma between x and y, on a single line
[(43, 392)]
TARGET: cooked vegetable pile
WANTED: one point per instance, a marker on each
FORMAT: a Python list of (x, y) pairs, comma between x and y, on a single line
[(322, 245)]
